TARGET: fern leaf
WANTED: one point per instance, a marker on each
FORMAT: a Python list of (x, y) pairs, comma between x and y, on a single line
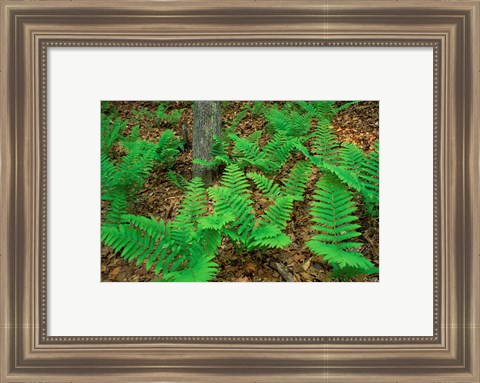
[(275, 153), (345, 106), (288, 123), (133, 241), (215, 221), (111, 132), (351, 157), (135, 167), (324, 109), (244, 151), (269, 229), (181, 250), (295, 183), (333, 209), (118, 206), (255, 136), (177, 179), (162, 114), (369, 176), (348, 272), (347, 177), (233, 125), (339, 257), (279, 213), (108, 170), (234, 179), (266, 185), (168, 148), (325, 143), (134, 135), (200, 268), (193, 206), (232, 199), (270, 237), (120, 183)]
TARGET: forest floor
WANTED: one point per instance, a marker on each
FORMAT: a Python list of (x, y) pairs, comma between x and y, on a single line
[(358, 124)]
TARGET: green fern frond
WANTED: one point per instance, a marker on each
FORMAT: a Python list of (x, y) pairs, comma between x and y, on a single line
[(118, 206), (269, 236), (324, 109), (255, 136), (111, 132), (351, 157), (105, 107), (193, 206), (276, 153), (325, 143), (269, 159), (215, 221), (244, 151), (219, 147), (177, 179), (257, 109), (295, 183), (168, 148), (199, 266), (199, 269), (162, 114), (233, 125), (134, 135), (266, 185), (120, 183), (307, 107), (347, 273), (135, 167), (348, 178), (345, 106), (287, 122), (369, 176), (108, 170), (269, 229), (332, 212), (232, 199), (208, 164), (137, 240), (278, 120), (234, 180), (339, 257), (181, 250), (279, 213)]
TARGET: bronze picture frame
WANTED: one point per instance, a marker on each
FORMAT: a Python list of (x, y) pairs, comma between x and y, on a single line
[(29, 28)]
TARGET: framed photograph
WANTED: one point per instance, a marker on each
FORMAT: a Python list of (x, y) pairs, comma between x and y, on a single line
[(333, 146), (240, 191)]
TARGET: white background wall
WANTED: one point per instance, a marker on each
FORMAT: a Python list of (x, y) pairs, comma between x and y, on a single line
[(400, 304)]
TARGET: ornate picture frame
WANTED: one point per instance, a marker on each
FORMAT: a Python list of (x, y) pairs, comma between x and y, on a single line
[(29, 28)]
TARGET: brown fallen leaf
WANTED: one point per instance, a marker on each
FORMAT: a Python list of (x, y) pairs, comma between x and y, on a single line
[(306, 265), (298, 258), (250, 267), (114, 272), (306, 277)]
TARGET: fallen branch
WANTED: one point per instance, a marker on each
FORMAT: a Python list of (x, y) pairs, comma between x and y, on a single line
[(283, 271)]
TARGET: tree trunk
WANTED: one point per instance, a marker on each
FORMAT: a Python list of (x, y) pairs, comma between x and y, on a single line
[(207, 122)]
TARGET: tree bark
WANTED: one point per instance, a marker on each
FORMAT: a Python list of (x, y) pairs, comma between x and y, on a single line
[(207, 122)]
